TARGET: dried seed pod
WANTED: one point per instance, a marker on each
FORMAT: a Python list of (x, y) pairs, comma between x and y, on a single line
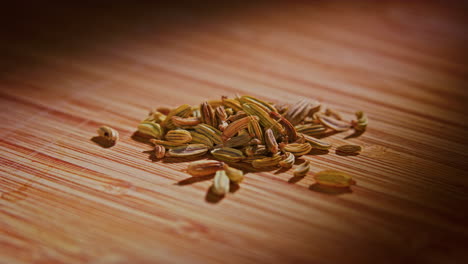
[(317, 143), (185, 122), (234, 175), (349, 149), (302, 169), (235, 127), (298, 149), (108, 133), (311, 129), (237, 116), (208, 115), (155, 116), (264, 118), (178, 136), (204, 167), (198, 138), (334, 178), (183, 111), (159, 151), (150, 129), (238, 141), (288, 161), (332, 113), (361, 123), (254, 129), (270, 141), (250, 99), (220, 183), (288, 127), (332, 123), (267, 162), (228, 154), (255, 150), (298, 111), (210, 132), (191, 150), (166, 144), (231, 103)]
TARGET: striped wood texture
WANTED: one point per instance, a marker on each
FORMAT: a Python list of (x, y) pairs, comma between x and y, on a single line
[(65, 199)]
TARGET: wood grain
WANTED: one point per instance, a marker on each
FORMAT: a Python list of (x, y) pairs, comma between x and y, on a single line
[(69, 69)]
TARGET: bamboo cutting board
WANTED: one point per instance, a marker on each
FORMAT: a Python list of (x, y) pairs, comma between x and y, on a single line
[(65, 199)]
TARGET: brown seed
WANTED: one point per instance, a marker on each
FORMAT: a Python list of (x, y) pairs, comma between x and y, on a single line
[(270, 141), (208, 115), (185, 121), (302, 169), (298, 149), (349, 149), (361, 123), (267, 162), (334, 114), (191, 150), (108, 133), (288, 127), (204, 167), (234, 175), (163, 110), (159, 151), (228, 154), (334, 178), (235, 127), (317, 143), (288, 161)]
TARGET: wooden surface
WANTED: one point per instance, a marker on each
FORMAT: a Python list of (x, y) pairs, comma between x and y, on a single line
[(67, 69)]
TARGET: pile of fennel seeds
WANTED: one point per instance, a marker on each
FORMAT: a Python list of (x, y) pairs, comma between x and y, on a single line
[(249, 130)]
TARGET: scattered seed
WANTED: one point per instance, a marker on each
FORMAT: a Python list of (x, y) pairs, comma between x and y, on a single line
[(108, 133), (302, 169), (334, 178)]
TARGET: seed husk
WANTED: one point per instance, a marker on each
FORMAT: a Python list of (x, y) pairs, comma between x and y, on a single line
[(349, 149), (298, 149), (185, 122), (151, 129), (334, 178), (311, 129), (234, 174), (108, 133), (288, 160), (332, 123), (317, 143), (302, 169), (178, 136), (228, 154), (190, 150), (204, 167), (220, 183), (159, 151), (270, 141)]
